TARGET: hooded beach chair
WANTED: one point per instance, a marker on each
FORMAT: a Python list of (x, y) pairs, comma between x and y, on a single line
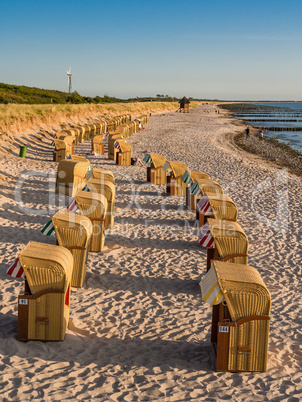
[(112, 152), (74, 231), (175, 171), (108, 190), (103, 175), (81, 131), (155, 172), (224, 240), (71, 176), (43, 309), (202, 186), (94, 206), (217, 206), (123, 156), (59, 152), (241, 316), (96, 144), (188, 178)]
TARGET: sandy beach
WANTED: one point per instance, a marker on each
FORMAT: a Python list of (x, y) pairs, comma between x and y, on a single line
[(138, 328)]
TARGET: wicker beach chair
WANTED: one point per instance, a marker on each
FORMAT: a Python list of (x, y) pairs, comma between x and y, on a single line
[(188, 178), (241, 316), (43, 309), (155, 173), (112, 152), (175, 171), (226, 241), (217, 206), (59, 152), (202, 186), (94, 206), (74, 232), (103, 175), (81, 134), (108, 190), (123, 156), (71, 176), (96, 144)]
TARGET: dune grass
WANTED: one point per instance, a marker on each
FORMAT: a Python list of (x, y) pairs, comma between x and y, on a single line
[(18, 117)]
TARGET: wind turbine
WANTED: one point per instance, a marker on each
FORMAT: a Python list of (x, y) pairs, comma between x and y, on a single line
[(69, 74)]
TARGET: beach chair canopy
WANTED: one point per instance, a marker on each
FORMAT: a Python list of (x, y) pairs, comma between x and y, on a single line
[(91, 204), (59, 145), (220, 206), (240, 285), (191, 175), (46, 266), (177, 168), (103, 175), (202, 186), (124, 146), (97, 139), (72, 228), (79, 158), (158, 161)]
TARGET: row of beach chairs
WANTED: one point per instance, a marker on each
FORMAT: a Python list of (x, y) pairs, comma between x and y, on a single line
[(51, 270), (241, 302)]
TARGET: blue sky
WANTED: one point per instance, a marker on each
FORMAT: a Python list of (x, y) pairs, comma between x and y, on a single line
[(234, 50)]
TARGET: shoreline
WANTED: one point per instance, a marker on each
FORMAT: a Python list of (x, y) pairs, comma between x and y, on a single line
[(270, 149)]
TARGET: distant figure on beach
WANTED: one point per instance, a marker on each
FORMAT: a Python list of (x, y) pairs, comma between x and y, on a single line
[(261, 135), (247, 133)]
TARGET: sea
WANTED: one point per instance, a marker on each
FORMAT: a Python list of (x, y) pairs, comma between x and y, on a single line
[(280, 120)]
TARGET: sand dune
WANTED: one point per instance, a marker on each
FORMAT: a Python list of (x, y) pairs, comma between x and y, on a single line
[(138, 329)]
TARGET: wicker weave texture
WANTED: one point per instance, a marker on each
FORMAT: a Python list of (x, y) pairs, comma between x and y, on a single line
[(108, 190), (74, 232), (103, 175), (94, 206), (71, 176)]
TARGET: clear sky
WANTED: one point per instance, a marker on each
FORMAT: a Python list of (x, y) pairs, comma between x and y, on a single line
[(238, 50)]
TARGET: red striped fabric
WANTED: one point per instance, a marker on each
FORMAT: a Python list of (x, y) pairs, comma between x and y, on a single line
[(203, 200), (15, 270), (205, 238), (116, 145), (206, 209), (72, 206)]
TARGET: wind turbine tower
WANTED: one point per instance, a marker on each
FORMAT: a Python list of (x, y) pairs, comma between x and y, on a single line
[(69, 75)]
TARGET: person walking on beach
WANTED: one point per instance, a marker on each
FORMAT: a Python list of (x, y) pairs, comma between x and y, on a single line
[(247, 133), (261, 135)]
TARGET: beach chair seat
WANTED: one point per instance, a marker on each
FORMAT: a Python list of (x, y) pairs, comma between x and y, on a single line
[(94, 206), (107, 188), (71, 176), (240, 317), (43, 308), (69, 141), (74, 231)]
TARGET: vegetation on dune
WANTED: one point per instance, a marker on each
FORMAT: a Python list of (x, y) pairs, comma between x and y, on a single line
[(21, 117)]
